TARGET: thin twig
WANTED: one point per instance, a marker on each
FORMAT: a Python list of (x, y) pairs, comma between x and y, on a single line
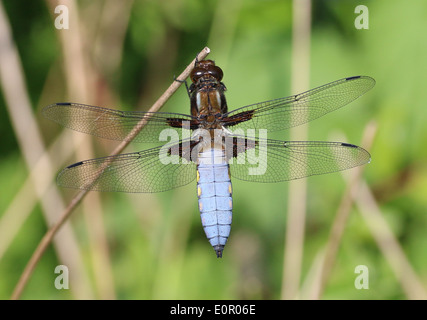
[(341, 218), (392, 251), (389, 245), (47, 239)]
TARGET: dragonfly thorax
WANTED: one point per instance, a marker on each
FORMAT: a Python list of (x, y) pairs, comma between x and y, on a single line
[(207, 90)]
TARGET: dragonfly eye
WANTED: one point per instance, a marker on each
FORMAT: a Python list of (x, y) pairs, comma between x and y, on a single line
[(206, 69), (216, 72), (197, 73)]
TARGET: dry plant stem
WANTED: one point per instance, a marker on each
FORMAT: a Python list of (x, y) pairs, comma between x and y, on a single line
[(297, 198), (47, 239), (44, 243), (31, 145), (342, 215), (81, 78), (79, 84), (411, 283)]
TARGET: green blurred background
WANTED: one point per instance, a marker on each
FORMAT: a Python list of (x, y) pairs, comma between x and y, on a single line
[(152, 246)]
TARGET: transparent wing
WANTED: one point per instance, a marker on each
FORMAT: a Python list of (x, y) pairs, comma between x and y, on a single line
[(114, 124), (152, 170), (295, 110), (274, 161)]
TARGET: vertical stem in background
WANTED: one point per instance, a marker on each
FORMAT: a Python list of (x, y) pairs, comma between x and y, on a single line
[(223, 29), (79, 76), (32, 147), (297, 189)]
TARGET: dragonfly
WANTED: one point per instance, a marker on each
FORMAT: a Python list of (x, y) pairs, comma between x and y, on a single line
[(211, 145)]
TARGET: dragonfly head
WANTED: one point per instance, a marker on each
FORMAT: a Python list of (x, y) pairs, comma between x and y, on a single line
[(206, 69)]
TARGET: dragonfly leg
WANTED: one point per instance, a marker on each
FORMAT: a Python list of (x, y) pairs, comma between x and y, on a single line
[(186, 85)]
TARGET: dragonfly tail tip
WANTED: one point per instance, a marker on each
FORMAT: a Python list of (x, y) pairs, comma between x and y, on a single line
[(218, 249)]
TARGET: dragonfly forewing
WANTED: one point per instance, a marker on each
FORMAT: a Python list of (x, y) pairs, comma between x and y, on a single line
[(284, 113), (115, 124)]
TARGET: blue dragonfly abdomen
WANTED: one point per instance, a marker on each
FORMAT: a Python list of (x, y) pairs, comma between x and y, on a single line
[(214, 193)]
